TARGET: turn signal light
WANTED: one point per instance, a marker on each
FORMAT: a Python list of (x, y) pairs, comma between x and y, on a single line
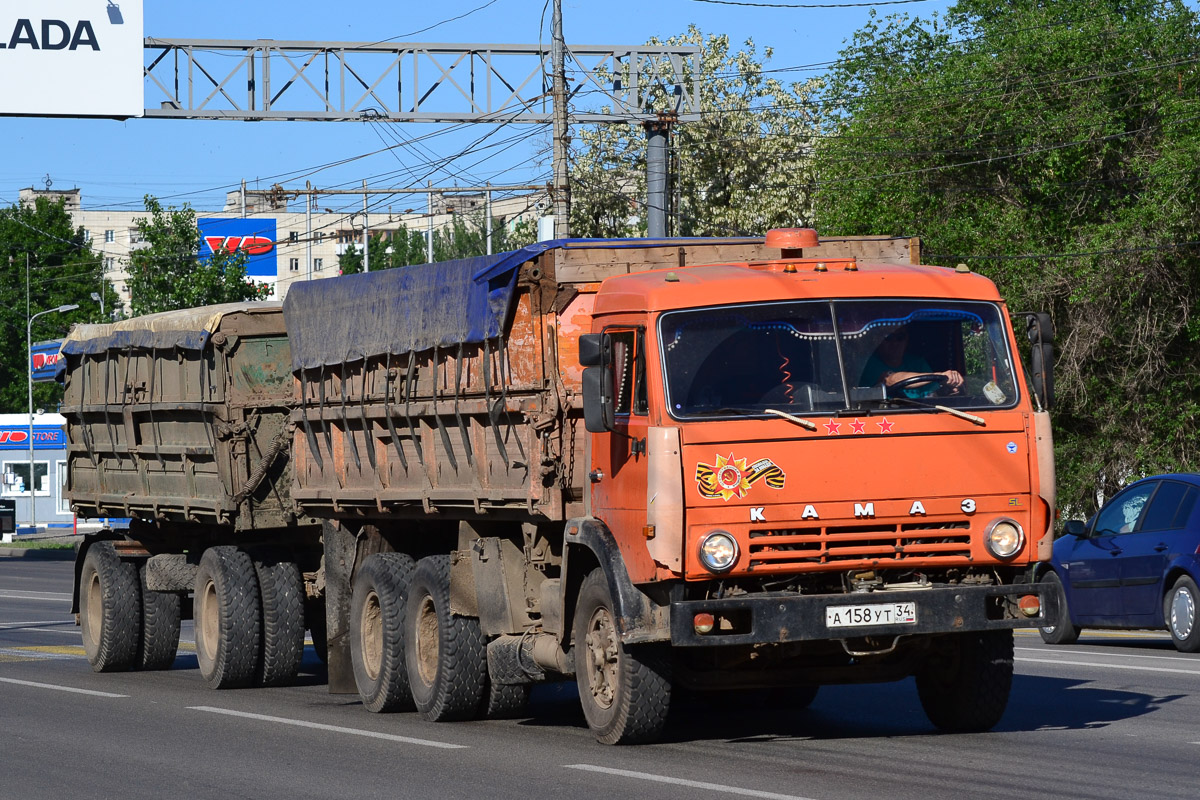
[(703, 623), (1030, 605)]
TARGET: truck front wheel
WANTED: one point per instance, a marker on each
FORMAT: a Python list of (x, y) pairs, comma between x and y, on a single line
[(625, 692), (110, 608), (964, 684), (377, 642), (445, 653), (228, 619)]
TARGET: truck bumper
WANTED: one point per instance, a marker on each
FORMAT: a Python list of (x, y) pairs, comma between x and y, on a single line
[(779, 617)]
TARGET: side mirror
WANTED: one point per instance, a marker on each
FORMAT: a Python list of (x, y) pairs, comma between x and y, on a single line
[(1040, 329), (1076, 528), (594, 350), (598, 403)]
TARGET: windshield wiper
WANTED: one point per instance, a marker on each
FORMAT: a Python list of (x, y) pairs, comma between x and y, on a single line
[(803, 423), (952, 411)]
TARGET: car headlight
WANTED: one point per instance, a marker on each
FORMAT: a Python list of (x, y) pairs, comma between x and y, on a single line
[(718, 551), (1004, 538)]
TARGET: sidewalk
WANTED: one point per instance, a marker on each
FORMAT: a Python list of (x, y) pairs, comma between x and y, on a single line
[(55, 554)]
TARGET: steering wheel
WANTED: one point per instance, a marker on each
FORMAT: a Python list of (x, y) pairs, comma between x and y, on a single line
[(920, 380)]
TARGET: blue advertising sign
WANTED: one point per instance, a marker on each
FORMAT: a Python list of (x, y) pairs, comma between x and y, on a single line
[(45, 437), (43, 360), (253, 235)]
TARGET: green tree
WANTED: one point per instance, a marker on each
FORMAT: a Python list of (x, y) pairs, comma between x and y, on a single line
[(465, 238), (1053, 145), (744, 167), (62, 270), (168, 273)]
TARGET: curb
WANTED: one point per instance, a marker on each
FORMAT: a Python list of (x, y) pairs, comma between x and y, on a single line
[(37, 554)]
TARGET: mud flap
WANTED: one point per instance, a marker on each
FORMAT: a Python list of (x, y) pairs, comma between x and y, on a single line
[(340, 544)]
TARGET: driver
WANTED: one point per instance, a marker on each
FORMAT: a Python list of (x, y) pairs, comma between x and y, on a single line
[(891, 363)]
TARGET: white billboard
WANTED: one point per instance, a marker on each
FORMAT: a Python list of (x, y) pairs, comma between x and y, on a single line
[(73, 58)]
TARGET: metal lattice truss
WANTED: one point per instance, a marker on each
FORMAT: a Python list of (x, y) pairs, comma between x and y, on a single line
[(409, 82)]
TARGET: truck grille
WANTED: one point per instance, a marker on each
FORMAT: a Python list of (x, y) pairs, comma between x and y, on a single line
[(868, 545)]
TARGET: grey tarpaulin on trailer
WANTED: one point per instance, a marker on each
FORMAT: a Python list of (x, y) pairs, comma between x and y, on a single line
[(186, 329)]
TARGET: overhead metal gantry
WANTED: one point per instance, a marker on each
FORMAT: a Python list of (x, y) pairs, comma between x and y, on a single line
[(411, 82)]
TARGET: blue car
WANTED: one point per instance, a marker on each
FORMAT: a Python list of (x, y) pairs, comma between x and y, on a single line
[(1135, 564)]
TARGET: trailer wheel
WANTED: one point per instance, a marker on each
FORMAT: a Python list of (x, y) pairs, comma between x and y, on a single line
[(625, 691), (1064, 632), (505, 700), (282, 592), (377, 605), (964, 686), (110, 608), (227, 617), (445, 653), (160, 627)]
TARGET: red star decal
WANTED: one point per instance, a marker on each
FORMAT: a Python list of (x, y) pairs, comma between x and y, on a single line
[(885, 426), (858, 426), (832, 427)]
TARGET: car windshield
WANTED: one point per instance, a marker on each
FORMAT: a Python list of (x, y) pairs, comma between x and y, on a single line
[(821, 356)]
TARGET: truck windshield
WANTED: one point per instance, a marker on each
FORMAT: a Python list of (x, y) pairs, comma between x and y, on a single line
[(818, 357)]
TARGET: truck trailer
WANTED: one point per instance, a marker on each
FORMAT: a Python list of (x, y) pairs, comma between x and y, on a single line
[(652, 466)]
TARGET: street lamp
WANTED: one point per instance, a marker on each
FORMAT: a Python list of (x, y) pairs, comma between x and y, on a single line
[(29, 369), (99, 298)]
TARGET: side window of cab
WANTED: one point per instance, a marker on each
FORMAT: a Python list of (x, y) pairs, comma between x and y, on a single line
[(629, 370)]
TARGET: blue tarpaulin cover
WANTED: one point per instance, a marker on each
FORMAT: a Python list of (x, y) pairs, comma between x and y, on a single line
[(415, 308)]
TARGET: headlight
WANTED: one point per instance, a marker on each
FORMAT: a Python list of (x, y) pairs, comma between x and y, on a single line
[(718, 551), (1004, 538)]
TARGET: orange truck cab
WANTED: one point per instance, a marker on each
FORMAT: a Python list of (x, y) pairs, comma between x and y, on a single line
[(829, 472)]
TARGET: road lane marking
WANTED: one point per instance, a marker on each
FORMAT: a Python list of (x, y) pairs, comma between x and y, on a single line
[(712, 787), (1132, 667), (1115, 653), (11, 654), (41, 624), (71, 689), (332, 728), (8, 594)]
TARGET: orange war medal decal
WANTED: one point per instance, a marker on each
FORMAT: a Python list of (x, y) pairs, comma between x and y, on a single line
[(731, 477)]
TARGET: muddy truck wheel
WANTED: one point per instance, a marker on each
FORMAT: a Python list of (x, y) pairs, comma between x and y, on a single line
[(377, 607), (281, 591), (445, 653), (160, 627), (110, 606), (964, 685), (228, 620), (625, 691)]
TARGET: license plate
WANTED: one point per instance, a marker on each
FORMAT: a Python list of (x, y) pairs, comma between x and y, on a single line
[(877, 614)]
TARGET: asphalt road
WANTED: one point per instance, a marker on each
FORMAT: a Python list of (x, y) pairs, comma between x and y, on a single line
[(1116, 716)]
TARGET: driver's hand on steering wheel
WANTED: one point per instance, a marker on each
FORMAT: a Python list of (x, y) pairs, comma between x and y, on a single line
[(954, 380)]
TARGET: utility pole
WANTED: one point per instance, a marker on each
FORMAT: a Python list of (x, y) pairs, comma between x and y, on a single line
[(366, 231), (562, 190), (657, 171), (308, 204)]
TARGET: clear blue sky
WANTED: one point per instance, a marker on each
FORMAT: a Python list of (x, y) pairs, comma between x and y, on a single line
[(116, 163)]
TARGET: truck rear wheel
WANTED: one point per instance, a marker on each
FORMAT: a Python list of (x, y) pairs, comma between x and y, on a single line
[(160, 627), (377, 607), (505, 700), (445, 653), (227, 618), (625, 692), (282, 592), (964, 686), (110, 608)]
